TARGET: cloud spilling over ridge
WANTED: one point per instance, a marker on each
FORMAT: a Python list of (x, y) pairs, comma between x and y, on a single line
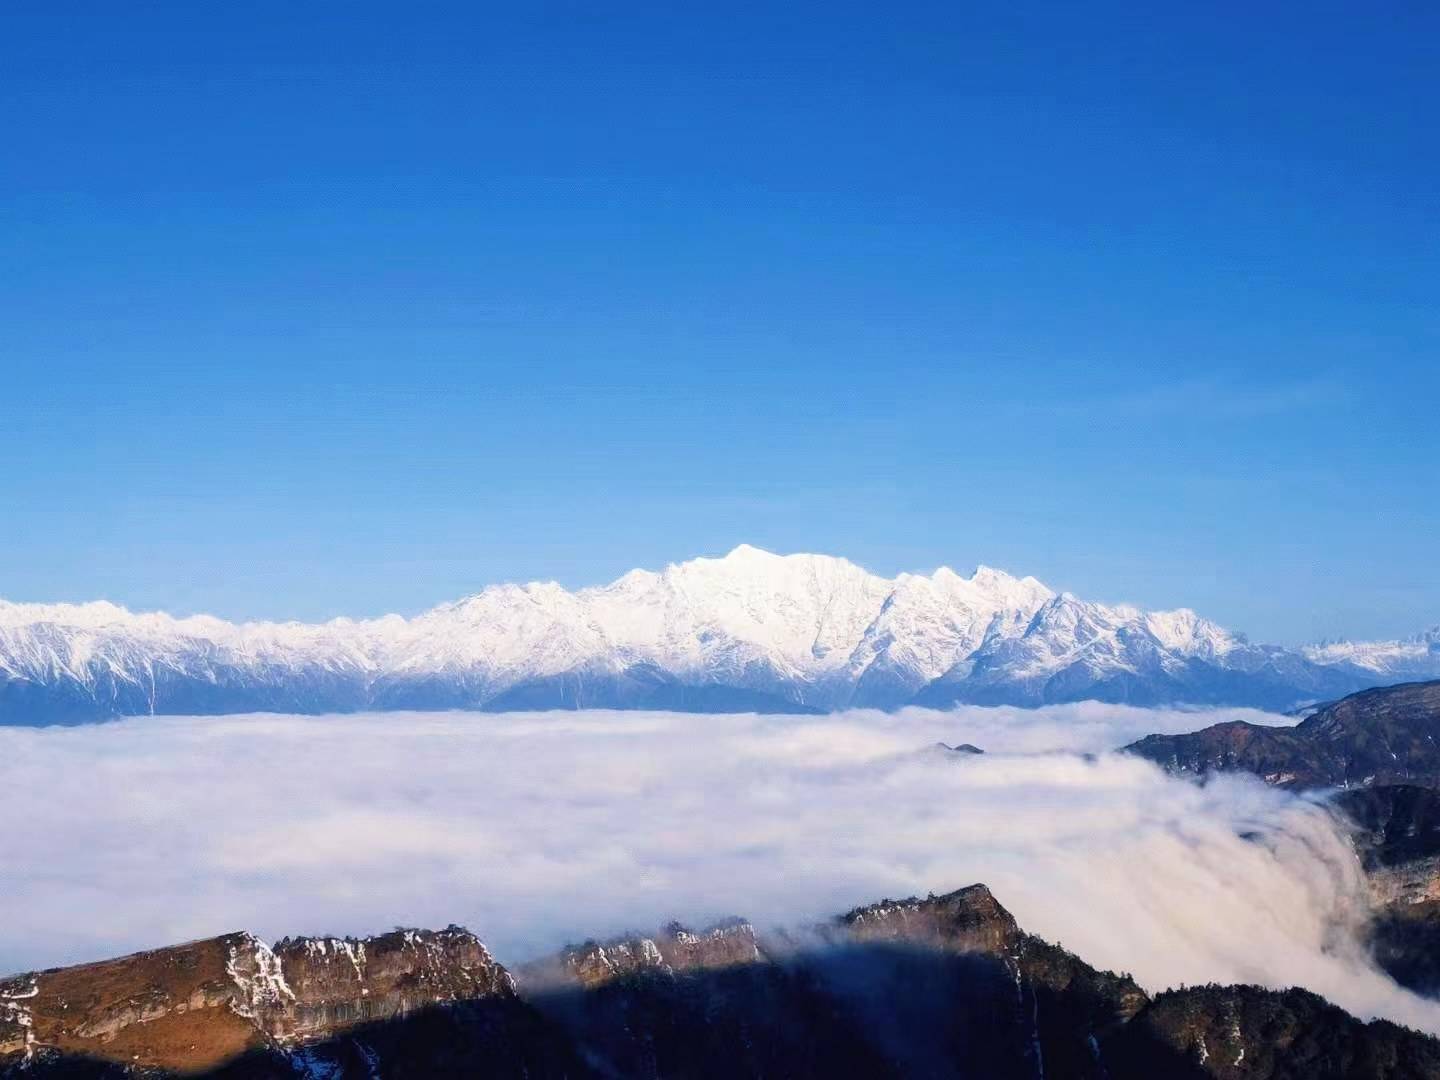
[(536, 829)]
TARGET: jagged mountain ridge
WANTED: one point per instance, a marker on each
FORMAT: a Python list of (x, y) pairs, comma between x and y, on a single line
[(945, 986), (1391, 661), (751, 630)]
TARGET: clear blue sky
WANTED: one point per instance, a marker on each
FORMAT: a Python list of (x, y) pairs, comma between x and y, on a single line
[(324, 308)]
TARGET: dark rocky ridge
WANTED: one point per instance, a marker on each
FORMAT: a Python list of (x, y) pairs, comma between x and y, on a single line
[(1399, 824), (945, 986), (1398, 840), (1389, 735), (676, 948), (1229, 1031)]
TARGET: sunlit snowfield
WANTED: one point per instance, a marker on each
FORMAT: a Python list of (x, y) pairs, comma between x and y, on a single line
[(536, 829)]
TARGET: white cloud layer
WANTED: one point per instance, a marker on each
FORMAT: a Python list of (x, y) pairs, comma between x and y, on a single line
[(535, 829)]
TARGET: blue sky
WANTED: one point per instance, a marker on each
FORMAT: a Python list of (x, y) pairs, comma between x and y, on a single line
[(320, 309)]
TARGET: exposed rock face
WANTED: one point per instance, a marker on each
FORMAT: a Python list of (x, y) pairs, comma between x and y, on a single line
[(196, 1005), (969, 920), (17, 1020), (1384, 736), (1398, 840), (946, 986), (335, 983), (1242, 1031), (184, 1007), (675, 949)]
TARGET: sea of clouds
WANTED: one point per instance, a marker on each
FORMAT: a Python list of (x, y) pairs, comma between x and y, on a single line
[(538, 829)]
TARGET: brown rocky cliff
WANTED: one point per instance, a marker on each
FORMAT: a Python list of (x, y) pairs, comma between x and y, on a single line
[(674, 950), (335, 983), (191, 1007), (968, 920), (182, 1007)]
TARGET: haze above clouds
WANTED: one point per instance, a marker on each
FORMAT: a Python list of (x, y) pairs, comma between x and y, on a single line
[(537, 829)]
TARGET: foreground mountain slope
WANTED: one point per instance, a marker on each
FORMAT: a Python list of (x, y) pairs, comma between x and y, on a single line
[(750, 631), (945, 986)]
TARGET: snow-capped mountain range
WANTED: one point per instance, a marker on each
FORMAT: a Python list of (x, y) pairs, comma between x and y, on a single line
[(751, 630)]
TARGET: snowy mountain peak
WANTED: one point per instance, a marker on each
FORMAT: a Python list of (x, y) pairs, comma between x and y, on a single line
[(1188, 634), (1389, 661), (988, 577), (754, 562), (749, 629), (749, 553)]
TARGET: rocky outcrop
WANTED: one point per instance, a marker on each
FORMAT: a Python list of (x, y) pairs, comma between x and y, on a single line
[(197, 1005), (1243, 1031), (674, 950), (1397, 836), (940, 986), (1277, 755), (968, 920), (17, 1020), (1389, 735), (337, 983)]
